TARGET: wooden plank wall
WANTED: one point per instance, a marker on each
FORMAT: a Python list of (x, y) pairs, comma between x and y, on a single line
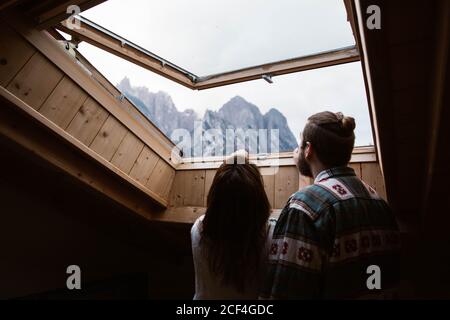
[(191, 187), (128, 106), (31, 77)]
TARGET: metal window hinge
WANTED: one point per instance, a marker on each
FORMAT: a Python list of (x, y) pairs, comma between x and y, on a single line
[(268, 78)]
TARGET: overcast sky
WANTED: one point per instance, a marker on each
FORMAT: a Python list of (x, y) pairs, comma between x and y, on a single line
[(211, 36)]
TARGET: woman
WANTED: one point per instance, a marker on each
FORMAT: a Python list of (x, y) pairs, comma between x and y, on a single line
[(228, 242)]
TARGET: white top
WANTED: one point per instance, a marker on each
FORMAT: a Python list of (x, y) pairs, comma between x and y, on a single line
[(207, 284)]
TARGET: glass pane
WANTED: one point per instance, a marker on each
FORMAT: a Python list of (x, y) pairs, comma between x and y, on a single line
[(208, 37), (284, 105)]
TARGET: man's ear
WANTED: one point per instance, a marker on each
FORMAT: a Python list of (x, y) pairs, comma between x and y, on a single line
[(308, 151)]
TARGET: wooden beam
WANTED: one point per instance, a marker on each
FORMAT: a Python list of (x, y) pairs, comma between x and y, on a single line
[(13, 102), (114, 44), (377, 92), (320, 60), (351, 18), (126, 50)]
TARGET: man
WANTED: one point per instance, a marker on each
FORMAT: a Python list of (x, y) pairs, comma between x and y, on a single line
[(335, 238)]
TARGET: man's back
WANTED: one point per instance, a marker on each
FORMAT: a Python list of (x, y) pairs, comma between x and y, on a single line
[(327, 236)]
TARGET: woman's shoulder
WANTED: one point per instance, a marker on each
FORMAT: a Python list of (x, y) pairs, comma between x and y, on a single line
[(196, 228), (197, 224)]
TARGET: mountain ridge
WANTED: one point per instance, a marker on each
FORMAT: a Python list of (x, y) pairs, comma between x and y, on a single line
[(237, 113)]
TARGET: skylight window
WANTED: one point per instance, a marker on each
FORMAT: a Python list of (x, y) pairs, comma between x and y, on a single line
[(284, 105), (221, 46), (209, 37)]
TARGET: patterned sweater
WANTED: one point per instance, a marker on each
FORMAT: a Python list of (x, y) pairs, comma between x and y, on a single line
[(327, 236)]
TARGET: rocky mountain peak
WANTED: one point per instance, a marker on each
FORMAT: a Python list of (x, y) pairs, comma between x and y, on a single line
[(125, 85), (242, 113), (237, 113)]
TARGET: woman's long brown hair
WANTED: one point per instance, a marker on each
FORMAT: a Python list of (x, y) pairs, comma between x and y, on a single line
[(235, 222)]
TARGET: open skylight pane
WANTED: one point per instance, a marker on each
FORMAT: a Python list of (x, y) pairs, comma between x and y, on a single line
[(209, 37)]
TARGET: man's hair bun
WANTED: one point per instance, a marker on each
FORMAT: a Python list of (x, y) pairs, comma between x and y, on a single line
[(348, 124)]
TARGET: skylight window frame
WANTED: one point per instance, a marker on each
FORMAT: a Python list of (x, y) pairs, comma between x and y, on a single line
[(104, 39)]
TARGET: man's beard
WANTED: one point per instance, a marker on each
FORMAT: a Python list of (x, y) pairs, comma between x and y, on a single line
[(303, 166)]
